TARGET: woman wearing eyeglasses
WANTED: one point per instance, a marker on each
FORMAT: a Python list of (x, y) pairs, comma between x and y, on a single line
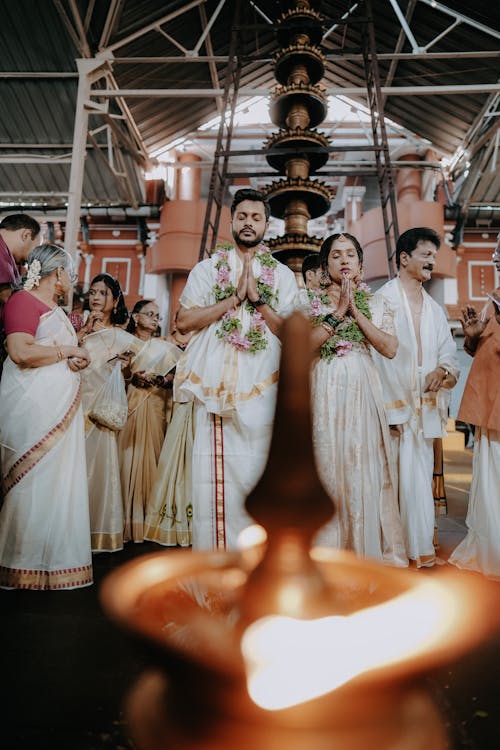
[(44, 521), (141, 439)]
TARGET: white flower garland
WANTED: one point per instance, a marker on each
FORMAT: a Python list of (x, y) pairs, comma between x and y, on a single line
[(34, 275)]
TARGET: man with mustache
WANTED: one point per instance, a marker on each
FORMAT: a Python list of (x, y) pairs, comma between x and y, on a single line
[(416, 385), (480, 550), (233, 303)]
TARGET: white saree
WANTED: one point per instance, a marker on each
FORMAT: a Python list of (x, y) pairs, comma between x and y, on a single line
[(103, 468), (234, 394), (44, 521), (422, 415), (480, 550), (353, 452)]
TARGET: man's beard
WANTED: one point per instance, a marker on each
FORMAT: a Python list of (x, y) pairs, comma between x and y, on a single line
[(247, 243)]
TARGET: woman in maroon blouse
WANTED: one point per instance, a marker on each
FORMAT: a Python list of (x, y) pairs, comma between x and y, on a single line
[(44, 521)]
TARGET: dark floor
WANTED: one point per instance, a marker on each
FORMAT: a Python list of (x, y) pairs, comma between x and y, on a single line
[(65, 670)]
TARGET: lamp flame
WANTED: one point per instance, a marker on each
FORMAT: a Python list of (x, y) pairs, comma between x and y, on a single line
[(291, 661)]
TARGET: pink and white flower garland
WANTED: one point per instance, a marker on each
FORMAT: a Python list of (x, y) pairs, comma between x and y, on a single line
[(231, 329)]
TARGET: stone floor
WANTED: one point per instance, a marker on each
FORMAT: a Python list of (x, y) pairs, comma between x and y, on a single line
[(65, 670)]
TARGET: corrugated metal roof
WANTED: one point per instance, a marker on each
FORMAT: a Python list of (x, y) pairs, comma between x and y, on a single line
[(35, 38)]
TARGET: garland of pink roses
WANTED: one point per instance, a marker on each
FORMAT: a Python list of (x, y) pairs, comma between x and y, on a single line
[(346, 332), (231, 329)]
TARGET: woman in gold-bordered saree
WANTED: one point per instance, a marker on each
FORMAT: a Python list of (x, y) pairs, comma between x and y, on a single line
[(44, 520), (141, 440)]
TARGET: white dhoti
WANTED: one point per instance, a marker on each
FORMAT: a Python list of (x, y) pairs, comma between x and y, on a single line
[(480, 550), (421, 414), (232, 383), (416, 502), (228, 460)]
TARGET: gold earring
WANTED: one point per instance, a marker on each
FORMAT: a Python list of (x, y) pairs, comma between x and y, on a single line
[(325, 279)]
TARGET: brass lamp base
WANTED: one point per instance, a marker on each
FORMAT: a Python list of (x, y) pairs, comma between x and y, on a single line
[(280, 646), (405, 719)]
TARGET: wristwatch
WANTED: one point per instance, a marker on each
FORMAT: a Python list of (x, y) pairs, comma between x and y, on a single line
[(332, 320), (259, 302)]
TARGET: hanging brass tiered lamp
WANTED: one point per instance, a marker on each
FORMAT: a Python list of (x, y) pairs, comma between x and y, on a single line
[(298, 105)]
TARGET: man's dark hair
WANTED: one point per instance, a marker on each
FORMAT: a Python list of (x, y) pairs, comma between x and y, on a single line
[(13, 222), (248, 194), (310, 263), (409, 240)]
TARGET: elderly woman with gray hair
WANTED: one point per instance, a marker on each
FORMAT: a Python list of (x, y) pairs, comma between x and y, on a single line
[(44, 520)]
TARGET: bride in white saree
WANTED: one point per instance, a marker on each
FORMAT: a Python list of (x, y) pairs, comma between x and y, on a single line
[(350, 431), (44, 520)]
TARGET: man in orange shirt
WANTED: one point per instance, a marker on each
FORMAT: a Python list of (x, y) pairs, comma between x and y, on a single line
[(480, 550)]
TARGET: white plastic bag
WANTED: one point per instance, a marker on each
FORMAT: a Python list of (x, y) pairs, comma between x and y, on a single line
[(110, 409)]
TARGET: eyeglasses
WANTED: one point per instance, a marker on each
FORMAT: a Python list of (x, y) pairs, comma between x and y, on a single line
[(152, 315), (72, 275)]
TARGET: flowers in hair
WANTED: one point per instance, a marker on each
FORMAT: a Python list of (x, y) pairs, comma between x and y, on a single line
[(33, 276)]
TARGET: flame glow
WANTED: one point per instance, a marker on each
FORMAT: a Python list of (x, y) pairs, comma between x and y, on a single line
[(290, 661), (251, 536)]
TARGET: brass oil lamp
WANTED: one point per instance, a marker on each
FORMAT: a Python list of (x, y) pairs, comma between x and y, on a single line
[(280, 646)]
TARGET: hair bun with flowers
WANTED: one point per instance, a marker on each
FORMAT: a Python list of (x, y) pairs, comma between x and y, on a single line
[(34, 275)]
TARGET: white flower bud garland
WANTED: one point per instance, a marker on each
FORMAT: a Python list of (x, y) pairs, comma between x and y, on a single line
[(34, 275)]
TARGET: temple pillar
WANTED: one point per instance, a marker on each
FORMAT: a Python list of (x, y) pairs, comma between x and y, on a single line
[(87, 259), (352, 201), (409, 180), (188, 183)]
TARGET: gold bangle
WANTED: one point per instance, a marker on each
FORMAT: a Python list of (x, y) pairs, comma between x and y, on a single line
[(327, 328)]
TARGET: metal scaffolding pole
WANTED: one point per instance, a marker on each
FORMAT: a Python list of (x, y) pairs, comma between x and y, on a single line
[(89, 71), (383, 160), (218, 178)]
